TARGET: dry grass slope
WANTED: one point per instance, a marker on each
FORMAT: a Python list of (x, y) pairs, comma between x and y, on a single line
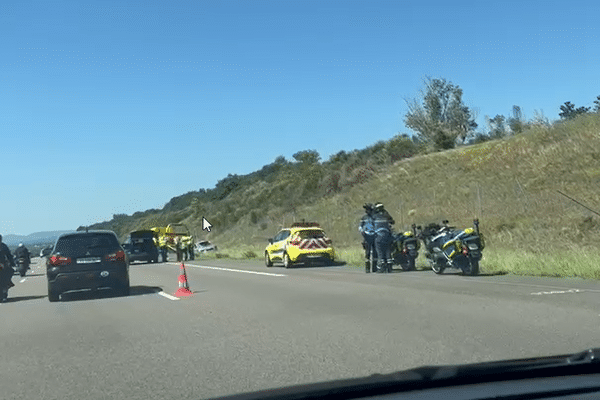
[(510, 185)]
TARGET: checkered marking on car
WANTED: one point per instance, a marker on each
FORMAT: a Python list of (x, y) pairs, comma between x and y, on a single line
[(313, 244)]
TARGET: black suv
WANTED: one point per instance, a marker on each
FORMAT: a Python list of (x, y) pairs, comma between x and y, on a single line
[(90, 260), (140, 246)]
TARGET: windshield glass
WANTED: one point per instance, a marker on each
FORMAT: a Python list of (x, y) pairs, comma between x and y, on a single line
[(261, 161)]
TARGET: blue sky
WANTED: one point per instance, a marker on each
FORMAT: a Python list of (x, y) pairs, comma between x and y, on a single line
[(113, 107)]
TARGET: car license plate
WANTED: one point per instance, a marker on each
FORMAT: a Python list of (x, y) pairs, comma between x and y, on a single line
[(88, 260)]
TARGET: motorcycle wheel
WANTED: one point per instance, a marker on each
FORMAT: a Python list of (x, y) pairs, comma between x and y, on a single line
[(438, 268), (471, 267), (409, 265)]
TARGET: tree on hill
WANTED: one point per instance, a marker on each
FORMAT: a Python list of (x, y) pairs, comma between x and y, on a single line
[(539, 119), (310, 170), (517, 121), (307, 156), (440, 117), (569, 111), (497, 126), (225, 186), (597, 104)]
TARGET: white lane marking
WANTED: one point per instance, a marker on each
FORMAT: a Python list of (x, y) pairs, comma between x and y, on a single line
[(559, 292), (237, 270), (231, 270), (524, 284), (168, 296)]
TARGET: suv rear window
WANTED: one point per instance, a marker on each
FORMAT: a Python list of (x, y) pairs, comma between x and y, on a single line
[(78, 244), (144, 244), (142, 235)]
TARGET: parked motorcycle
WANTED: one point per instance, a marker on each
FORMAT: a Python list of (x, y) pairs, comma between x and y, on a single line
[(22, 265), (405, 249), (447, 247)]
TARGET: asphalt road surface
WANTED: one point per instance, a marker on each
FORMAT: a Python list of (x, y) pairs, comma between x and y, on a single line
[(248, 327)]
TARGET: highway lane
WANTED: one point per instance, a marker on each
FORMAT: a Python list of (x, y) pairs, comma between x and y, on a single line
[(248, 327)]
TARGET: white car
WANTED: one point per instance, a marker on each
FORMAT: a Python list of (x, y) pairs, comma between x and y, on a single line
[(45, 251), (204, 246)]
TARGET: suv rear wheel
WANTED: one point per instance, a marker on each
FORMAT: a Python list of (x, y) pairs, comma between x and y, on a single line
[(123, 290), (53, 295)]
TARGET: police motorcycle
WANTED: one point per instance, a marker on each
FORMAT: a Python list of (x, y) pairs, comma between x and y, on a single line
[(448, 247), (22, 260), (405, 249), (22, 265)]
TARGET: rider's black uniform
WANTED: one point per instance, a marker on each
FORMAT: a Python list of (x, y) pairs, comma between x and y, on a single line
[(6, 272), (383, 222), (367, 230), (22, 252)]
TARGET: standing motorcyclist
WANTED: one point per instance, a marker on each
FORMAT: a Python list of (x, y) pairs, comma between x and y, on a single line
[(7, 264), (367, 230), (23, 256), (383, 222)]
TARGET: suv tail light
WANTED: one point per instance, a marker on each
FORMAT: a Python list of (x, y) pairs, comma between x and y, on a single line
[(59, 260), (118, 256)]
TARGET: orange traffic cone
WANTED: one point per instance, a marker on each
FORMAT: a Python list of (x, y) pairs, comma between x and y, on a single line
[(184, 287)]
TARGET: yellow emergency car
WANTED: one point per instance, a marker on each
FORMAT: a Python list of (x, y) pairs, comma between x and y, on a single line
[(303, 242)]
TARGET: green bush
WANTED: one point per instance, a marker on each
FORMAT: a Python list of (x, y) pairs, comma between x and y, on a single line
[(250, 254)]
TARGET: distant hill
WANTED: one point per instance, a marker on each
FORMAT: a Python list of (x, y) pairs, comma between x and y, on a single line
[(37, 238)]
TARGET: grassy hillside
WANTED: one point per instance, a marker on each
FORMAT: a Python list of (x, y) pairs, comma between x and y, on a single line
[(510, 185)]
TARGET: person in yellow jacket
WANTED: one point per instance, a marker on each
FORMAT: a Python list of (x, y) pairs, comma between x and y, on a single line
[(162, 245), (187, 245), (183, 244)]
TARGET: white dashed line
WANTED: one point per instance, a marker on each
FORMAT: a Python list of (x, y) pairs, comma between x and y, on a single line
[(168, 296), (525, 285), (558, 292)]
